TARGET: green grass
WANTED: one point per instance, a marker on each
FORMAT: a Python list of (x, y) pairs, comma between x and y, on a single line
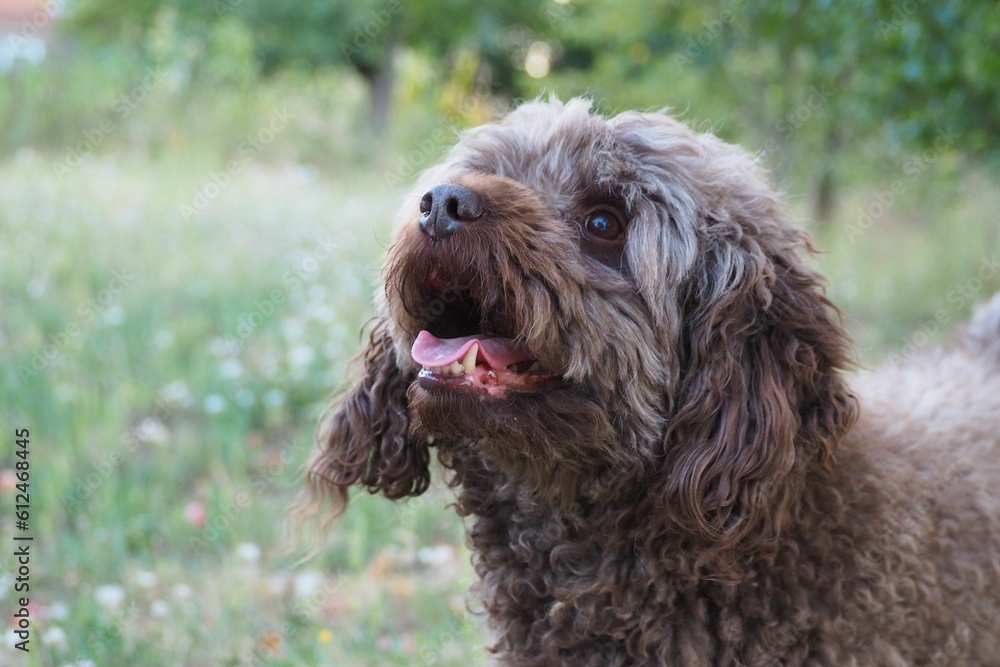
[(927, 258), (191, 387)]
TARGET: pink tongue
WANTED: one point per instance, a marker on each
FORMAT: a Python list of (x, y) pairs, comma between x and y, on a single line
[(429, 351)]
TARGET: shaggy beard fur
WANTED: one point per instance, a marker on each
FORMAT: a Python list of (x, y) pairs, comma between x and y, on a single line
[(699, 485)]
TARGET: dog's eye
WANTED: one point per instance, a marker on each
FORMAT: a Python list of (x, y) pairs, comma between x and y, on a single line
[(604, 224)]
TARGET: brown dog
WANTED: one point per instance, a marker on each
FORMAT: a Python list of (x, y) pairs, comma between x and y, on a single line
[(607, 331)]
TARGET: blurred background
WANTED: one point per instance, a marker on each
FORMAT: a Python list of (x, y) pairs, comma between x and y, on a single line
[(194, 196)]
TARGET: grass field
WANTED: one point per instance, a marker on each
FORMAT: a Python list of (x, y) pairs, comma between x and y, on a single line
[(170, 373), (171, 364)]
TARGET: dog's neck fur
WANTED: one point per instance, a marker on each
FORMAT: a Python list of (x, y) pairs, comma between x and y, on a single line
[(563, 583)]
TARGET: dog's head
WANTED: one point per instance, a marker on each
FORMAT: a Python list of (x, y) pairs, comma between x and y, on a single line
[(580, 299)]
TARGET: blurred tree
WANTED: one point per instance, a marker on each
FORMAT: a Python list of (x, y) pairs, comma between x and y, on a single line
[(807, 78), (939, 71), (803, 79), (365, 34)]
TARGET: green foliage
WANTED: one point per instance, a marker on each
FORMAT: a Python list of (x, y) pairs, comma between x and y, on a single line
[(939, 64), (214, 41), (804, 82), (89, 88), (890, 70)]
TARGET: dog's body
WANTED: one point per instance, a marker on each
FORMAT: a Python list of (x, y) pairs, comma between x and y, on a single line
[(605, 329)]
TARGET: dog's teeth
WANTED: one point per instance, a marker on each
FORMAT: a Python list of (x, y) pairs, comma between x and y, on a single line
[(536, 367), (455, 368), (469, 360)]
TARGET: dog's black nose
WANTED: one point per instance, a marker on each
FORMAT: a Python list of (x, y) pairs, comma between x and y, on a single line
[(445, 207)]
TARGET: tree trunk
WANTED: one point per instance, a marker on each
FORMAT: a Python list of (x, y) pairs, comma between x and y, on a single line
[(380, 86), (824, 192), (823, 200), (380, 76)]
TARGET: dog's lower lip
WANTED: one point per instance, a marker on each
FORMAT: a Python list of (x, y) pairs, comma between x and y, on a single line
[(487, 382)]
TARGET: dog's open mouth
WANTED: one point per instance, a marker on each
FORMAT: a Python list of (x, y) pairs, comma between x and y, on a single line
[(463, 350), (485, 364)]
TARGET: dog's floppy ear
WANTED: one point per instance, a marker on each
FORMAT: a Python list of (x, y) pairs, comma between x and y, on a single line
[(363, 438), (760, 398)]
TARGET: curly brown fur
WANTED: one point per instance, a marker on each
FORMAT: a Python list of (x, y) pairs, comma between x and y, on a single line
[(687, 478)]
